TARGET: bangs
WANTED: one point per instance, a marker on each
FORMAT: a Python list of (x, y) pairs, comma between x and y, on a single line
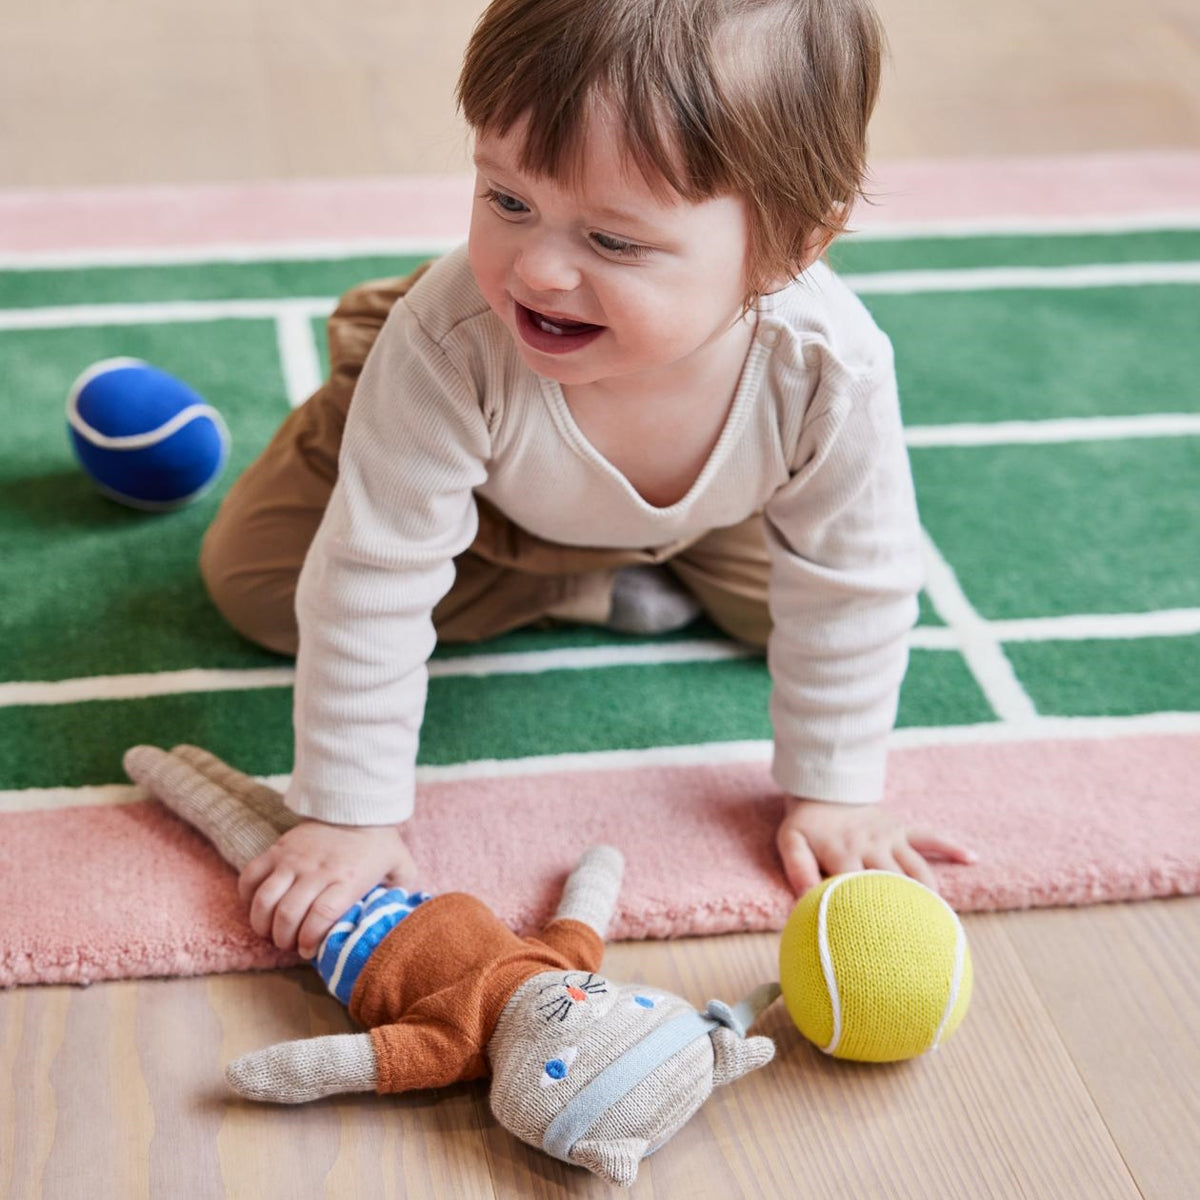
[(558, 71)]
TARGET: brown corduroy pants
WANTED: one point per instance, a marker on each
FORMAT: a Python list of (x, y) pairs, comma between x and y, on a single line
[(253, 551)]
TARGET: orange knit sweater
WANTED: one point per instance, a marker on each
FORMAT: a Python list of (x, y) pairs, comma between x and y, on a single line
[(432, 992)]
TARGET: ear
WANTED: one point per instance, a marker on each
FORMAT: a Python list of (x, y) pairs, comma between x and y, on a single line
[(238, 832), (737, 1056), (817, 242), (616, 1160)]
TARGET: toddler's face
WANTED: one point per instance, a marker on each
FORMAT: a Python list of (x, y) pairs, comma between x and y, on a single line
[(605, 283)]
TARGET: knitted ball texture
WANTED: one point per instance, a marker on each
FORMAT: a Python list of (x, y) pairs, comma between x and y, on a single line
[(875, 967), (144, 437)]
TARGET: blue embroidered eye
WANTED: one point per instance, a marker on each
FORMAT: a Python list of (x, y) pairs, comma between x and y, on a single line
[(557, 1068), (644, 1001)]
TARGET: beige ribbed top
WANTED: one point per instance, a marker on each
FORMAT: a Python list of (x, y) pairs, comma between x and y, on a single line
[(446, 409)]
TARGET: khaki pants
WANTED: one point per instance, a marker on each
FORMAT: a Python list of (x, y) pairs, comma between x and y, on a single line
[(253, 551)]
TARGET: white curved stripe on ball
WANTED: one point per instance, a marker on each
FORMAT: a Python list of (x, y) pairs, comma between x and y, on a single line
[(139, 441), (102, 368), (835, 1000), (960, 954), (135, 441)]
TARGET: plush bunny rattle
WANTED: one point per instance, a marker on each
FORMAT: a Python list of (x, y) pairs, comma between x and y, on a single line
[(594, 1072)]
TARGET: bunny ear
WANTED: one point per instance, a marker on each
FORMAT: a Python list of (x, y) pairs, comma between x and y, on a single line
[(264, 800), (235, 829), (737, 1056), (615, 1160)]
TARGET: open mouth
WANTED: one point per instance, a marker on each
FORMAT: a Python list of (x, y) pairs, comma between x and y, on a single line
[(554, 335)]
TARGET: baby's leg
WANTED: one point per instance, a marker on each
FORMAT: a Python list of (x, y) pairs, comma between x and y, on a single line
[(727, 571), (265, 801), (255, 547), (218, 810), (510, 578), (649, 599)]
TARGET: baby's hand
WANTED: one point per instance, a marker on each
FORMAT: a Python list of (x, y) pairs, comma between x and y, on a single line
[(314, 873), (816, 836)]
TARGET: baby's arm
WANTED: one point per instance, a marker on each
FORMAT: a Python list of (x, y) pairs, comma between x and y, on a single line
[(302, 884), (415, 446), (846, 566)]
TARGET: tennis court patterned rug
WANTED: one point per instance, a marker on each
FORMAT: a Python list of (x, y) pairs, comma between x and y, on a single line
[(1050, 374)]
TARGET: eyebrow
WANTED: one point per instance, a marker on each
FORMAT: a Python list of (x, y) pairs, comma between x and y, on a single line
[(622, 215), (487, 164)]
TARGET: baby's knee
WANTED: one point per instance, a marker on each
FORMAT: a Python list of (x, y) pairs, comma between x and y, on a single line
[(255, 596), (746, 621)]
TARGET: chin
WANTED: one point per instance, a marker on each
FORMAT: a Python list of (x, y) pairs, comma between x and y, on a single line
[(561, 373), (559, 370)]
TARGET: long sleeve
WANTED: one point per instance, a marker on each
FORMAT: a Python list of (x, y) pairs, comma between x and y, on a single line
[(415, 446), (844, 540), (419, 1053), (576, 942)]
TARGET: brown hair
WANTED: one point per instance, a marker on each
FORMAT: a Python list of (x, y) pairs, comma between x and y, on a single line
[(765, 99)]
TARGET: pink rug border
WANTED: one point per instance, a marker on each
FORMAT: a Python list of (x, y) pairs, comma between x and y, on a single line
[(698, 842), (434, 208)]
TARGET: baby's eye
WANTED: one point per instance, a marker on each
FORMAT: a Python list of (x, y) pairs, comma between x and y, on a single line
[(503, 201), (621, 248), (557, 1068)]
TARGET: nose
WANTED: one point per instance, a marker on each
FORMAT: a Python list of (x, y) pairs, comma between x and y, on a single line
[(542, 265), (576, 994)]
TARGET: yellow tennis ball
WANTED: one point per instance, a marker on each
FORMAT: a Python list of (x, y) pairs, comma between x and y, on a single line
[(875, 967)]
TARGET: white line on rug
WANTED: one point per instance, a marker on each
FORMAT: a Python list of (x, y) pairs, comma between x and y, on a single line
[(977, 641), (1043, 729), (1183, 622), (995, 279), (298, 357), (1055, 430)]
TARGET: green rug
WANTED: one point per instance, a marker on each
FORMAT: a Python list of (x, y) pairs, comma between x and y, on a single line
[(1088, 510)]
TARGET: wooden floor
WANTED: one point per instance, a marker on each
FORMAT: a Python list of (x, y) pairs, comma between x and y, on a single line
[(1076, 1074), (1077, 1071)]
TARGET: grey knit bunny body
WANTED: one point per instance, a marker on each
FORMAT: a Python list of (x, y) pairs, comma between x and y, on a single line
[(595, 1072)]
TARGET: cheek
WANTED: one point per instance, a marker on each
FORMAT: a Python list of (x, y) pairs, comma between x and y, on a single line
[(486, 255), (634, 306), (671, 305)]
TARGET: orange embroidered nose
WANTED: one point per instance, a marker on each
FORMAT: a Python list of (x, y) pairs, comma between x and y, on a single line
[(576, 994)]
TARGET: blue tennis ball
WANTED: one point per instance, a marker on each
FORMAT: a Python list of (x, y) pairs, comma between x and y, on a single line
[(143, 437)]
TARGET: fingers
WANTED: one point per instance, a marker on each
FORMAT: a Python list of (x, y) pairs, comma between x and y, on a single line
[(799, 863), (936, 845), (327, 906), (294, 910), (817, 839), (253, 873), (266, 898), (909, 862)]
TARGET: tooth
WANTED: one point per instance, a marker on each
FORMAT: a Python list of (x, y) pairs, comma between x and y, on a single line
[(547, 327)]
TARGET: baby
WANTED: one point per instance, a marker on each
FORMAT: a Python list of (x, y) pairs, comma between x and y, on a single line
[(636, 394)]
